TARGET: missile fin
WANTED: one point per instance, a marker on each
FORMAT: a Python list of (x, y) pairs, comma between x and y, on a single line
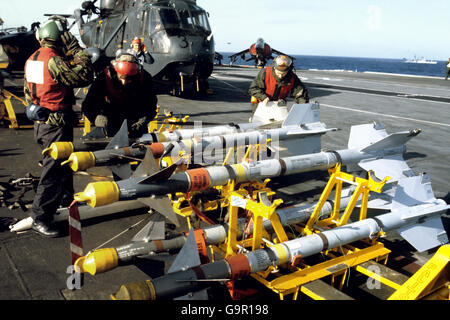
[(365, 134), (413, 191), (147, 167), (121, 138), (393, 140), (123, 171), (417, 191), (153, 230), (163, 174), (426, 235), (188, 257), (269, 113), (390, 166), (302, 113), (306, 145), (163, 206)]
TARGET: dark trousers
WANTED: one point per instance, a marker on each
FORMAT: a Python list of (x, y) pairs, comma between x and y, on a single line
[(56, 183)]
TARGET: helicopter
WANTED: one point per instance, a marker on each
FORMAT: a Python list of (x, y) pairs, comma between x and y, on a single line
[(16, 45), (176, 32), (259, 51)]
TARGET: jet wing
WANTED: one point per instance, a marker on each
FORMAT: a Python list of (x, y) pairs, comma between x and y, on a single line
[(281, 53), (234, 56)]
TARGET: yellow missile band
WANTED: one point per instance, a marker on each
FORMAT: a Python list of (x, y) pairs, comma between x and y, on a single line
[(240, 171), (59, 150), (98, 194), (98, 261), (135, 291), (79, 161), (281, 253), (161, 137)]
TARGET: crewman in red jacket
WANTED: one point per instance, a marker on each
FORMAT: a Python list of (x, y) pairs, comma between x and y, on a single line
[(51, 74)]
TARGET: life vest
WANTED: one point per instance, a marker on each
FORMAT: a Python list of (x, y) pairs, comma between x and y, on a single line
[(44, 90), (272, 85), (114, 92)]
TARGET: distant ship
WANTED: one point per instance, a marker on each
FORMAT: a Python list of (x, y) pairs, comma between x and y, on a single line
[(421, 60)]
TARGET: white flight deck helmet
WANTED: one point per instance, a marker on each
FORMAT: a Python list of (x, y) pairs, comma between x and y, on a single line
[(283, 63)]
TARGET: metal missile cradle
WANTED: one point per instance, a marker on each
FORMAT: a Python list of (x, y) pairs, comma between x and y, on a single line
[(286, 269), (282, 279)]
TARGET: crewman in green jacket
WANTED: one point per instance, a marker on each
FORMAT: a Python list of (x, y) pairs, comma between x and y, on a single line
[(277, 81)]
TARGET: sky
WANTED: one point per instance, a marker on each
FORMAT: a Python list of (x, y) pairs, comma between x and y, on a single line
[(352, 28)]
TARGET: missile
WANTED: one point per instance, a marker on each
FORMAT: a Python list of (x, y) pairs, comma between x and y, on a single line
[(271, 115), (102, 260), (415, 215), (300, 131), (371, 149)]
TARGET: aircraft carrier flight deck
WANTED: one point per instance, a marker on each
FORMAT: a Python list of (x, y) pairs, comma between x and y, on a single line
[(35, 268)]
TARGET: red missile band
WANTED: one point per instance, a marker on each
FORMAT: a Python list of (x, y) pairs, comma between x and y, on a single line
[(76, 245), (126, 151), (201, 245), (240, 267), (157, 149), (199, 179), (159, 245)]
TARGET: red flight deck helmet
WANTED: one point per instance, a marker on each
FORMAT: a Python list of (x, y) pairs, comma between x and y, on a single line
[(126, 65)]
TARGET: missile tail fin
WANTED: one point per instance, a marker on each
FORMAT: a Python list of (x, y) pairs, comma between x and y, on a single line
[(188, 256), (365, 134), (163, 206), (153, 230), (426, 235), (148, 166), (306, 145), (301, 114), (391, 166), (163, 174), (121, 138), (391, 141), (123, 171), (415, 201), (270, 113)]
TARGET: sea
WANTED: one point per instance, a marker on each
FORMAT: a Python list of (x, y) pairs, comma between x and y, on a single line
[(355, 64)]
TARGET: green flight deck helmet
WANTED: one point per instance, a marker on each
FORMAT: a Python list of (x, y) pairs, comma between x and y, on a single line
[(53, 28)]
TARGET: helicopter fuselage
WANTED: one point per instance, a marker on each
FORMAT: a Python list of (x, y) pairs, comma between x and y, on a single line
[(176, 33)]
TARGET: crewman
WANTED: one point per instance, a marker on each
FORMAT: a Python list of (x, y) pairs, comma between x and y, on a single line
[(122, 91), (448, 69), (275, 82), (51, 74), (141, 51)]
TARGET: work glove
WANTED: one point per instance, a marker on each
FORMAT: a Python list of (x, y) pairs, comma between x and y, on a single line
[(281, 103), (139, 127), (101, 121), (70, 42)]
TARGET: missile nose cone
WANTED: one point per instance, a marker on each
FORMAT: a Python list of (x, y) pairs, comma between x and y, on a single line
[(59, 150), (79, 161), (98, 261), (98, 194), (135, 291)]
